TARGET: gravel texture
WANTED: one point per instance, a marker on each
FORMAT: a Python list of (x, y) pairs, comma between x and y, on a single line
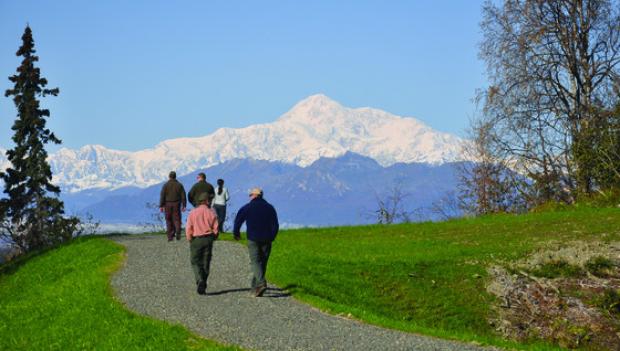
[(156, 280)]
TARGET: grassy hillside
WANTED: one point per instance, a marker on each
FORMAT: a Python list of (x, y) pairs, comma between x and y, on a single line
[(61, 300), (428, 277)]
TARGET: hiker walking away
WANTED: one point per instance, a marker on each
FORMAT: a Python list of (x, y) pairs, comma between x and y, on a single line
[(219, 203), (201, 231), (262, 227), (172, 201), (201, 186)]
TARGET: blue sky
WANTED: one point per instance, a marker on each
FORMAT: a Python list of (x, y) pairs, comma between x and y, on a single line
[(133, 73)]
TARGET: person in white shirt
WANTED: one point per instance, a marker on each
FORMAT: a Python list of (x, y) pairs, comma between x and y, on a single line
[(219, 203)]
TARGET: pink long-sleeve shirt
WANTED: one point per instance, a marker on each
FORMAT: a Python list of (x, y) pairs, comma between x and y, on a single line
[(201, 221)]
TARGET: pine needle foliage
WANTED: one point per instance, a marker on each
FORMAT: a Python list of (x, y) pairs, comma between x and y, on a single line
[(32, 215)]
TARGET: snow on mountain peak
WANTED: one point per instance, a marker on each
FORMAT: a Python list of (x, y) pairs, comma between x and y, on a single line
[(315, 104), (315, 127)]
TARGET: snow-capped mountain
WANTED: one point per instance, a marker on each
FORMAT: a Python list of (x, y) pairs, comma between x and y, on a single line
[(315, 127)]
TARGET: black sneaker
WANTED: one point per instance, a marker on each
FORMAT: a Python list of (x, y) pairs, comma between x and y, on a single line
[(202, 288)]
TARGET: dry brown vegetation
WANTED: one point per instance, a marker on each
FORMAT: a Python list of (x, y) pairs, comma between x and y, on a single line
[(566, 293)]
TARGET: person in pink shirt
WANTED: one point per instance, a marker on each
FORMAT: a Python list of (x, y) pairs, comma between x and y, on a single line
[(201, 231)]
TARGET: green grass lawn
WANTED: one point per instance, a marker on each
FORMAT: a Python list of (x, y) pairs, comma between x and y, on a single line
[(426, 277), (61, 300)]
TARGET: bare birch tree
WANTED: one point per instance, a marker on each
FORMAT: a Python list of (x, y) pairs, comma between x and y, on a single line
[(552, 64)]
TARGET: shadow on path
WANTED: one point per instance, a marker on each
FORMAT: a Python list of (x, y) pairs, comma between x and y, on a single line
[(270, 292), (227, 291), (276, 292)]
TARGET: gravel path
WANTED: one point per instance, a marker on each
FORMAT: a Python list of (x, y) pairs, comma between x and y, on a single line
[(157, 281)]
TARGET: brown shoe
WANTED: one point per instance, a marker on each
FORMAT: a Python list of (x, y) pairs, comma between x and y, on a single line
[(260, 290)]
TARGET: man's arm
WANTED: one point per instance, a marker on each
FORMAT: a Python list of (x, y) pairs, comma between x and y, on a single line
[(183, 198), (162, 196), (275, 221), (210, 192), (189, 228), (239, 219), (216, 225), (190, 195)]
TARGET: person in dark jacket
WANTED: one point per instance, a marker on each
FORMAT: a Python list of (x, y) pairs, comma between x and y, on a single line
[(201, 186), (172, 201), (262, 227)]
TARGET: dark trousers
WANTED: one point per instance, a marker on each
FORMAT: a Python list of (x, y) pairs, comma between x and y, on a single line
[(200, 252), (220, 211), (259, 255), (173, 219)]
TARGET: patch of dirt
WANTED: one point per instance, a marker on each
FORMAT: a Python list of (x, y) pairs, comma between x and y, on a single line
[(578, 309)]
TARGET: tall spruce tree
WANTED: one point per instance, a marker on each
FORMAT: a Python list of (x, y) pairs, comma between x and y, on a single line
[(32, 215)]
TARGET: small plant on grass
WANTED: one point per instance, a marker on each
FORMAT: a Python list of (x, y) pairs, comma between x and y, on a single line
[(391, 206), (610, 301), (600, 266), (88, 225), (569, 335), (558, 268)]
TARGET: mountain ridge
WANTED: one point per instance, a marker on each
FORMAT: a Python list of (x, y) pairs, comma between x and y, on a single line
[(313, 128), (343, 190)]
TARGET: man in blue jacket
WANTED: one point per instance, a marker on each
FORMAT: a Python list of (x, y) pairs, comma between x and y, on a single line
[(262, 227)]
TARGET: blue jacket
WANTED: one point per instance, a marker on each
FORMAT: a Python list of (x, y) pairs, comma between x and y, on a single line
[(261, 220)]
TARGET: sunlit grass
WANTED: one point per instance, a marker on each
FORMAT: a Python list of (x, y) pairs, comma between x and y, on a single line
[(61, 300), (426, 277)]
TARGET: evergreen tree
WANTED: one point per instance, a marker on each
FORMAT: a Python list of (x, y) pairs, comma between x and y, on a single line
[(32, 214)]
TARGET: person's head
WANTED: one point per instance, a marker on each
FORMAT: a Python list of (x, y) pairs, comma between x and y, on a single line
[(220, 186), (202, 199), (201, 176), (256, 193), (172, 175)]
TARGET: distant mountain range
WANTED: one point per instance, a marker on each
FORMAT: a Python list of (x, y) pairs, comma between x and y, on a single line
[(315, 127), (331, 191), (320, 163)]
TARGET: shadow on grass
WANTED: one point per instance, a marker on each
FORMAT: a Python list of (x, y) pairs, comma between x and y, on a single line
[(290, 287)]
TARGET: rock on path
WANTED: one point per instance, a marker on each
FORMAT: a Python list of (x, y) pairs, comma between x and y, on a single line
[(156, 280)]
